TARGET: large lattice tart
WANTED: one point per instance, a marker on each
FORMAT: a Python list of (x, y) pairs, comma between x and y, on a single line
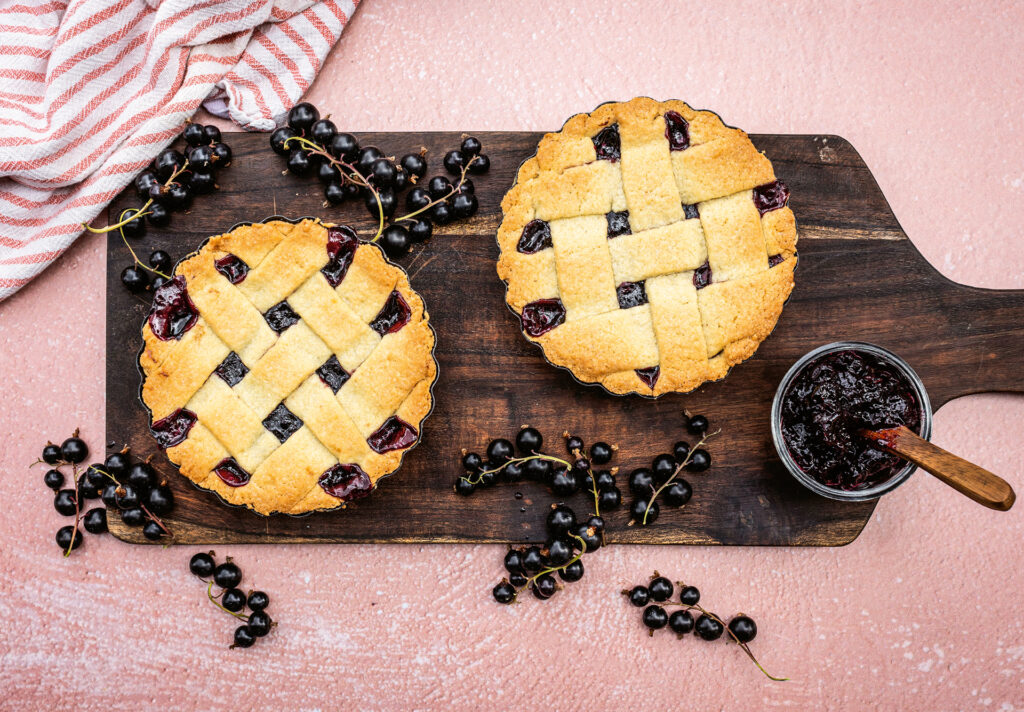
[(647, 247), (288, 367)]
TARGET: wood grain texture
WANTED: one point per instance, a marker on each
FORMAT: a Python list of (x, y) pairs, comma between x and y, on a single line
[(859, 278)]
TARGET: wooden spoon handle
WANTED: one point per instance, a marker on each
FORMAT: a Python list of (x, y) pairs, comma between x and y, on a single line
[(965, 477)]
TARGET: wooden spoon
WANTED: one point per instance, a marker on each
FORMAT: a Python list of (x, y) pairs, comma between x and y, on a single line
[(966, 478)]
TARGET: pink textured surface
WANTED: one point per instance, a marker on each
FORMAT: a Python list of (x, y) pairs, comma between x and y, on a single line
[(921, 612)]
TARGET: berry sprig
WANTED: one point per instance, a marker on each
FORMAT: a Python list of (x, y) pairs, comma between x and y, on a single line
[(349, 171), (534, 567), (741, 628), (230, 599), (664, 476)]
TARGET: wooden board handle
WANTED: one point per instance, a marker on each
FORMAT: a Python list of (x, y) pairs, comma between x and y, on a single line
[(965, 477)]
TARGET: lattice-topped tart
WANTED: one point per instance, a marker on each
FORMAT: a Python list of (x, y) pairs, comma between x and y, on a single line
[(647, 247), (288, 366)]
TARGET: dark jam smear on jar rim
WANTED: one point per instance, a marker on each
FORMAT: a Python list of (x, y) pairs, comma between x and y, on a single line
[(830, 401)]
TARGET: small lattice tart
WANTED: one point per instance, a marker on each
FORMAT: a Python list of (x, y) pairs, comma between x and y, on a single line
[(647, 247), (287, 366)]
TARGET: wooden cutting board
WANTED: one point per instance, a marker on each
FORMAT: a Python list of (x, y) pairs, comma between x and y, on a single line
[(859, 278)]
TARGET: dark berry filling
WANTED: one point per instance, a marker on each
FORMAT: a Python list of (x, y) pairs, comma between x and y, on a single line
[(677, 131), (393, 315), (231, 473), (280, 317), (702, 276), (282, 422), (649, 375), (173, 313), (830, 402), (542, 316), (346, 482), (771, 196), (536, 237), (173, 429), (690, 211), (333, 374), (607, 145), (631, 294), (618, 223), (342, 243), (233, 269), (393, 434), (231, 369), (775, 260)]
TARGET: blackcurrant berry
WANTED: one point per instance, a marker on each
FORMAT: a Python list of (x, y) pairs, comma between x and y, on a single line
[(74, 450), (689, 595), (655, 617), (512, 472), (64, 502), (160, 500), (166, 163), (681, 622), (144, 182), (51, 454), (642, 514), (559, 551), (500, 451), (601, 453), (537, 470), (573, 443), (414, 164), (200, 157), (383, 173), (328, 173), (258, 601), (610, 498), (639, 596), (421, 230), (472, 462), (544, 586), (97, 476), (743, 628), (344, 146), (68, 537), (177, 196), (581, 464), (279, 138), (135, 279), (233, 599), (201, 565), (86, 490), (514, 561), (417, 199), (604, 480), (572, 572), (367, 156), (193, 134), (54, 479), (395, 240), (464, 487), (158, 259), (700, 460), (334, 193), (504, 592), (518, 580), (302, 116), (133, 517), (323, 132), (678, 493), (441, 213), (698, 424), (596, 523), (470, 146), (439, 187), (401, 179), (244, 637), (202, 183), (561, 519), (453, 162), (222, 155), (385, 197), (488, 477), (641, 482), (227, 575), (260, 623), (352, 190), (158, 214), (591, 537), (127, 497), (663, 467), (533, 560), (661, 589), (529, 441), (479, 164), (464, 206), (680, 450), (708, 628), (117, 464), (299, 163), (141, 477), (158, 282), (465, 187), (108, 495), (565, 482), (95, 520), (212, 133)]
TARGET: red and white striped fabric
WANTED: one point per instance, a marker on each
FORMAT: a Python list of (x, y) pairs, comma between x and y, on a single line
[(92, 90)]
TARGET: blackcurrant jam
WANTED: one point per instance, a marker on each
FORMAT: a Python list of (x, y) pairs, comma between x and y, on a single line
[(173, 313), (393, 434), (346, 482), (830, 401)]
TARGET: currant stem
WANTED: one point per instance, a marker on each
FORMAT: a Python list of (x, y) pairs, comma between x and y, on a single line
[(78, 507), (141, 213), (135, 256), (535, 456), (553, 569), (679, 469)]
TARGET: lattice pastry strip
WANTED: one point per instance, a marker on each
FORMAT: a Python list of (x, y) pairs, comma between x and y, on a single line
[(288, 367), (688, 206)]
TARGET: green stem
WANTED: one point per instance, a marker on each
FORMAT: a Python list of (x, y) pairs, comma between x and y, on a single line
[(214, 601), (682, 465), (535, 456)]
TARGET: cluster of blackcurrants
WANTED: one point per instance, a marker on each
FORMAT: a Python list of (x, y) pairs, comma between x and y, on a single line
[(122, 484), (168, 185), (663, 478), (534, 567), (348, 171), (655, 597), (136, 278), (227, 576), (564, 477)]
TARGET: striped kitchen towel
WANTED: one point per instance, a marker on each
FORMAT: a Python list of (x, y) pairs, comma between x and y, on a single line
[(92, 90)]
